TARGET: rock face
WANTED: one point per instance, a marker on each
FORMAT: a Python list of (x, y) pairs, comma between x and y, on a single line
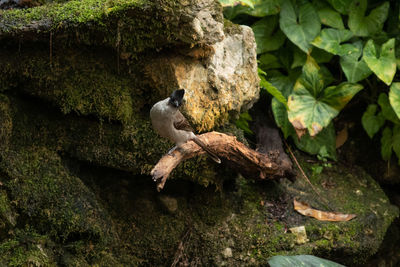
[(76, 86), (221, 79)]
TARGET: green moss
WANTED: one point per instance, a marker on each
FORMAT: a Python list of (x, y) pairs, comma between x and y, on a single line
[(61, 14), (79, 82), (134, 147), (127, 25), (350, 191), (8, 216), (27, 248), (5, 122), (54, 201), (231, 28)]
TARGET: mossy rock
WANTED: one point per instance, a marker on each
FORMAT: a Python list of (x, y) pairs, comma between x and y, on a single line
[(27, 248), (129, 25), (348, 190), (82, 82), (50, 198), (134, 147), (8, 215), (249, 219)]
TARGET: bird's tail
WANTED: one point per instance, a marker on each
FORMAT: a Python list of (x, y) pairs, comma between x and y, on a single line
[(209, 152)]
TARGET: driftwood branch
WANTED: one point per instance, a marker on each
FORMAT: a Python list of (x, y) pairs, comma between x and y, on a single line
[(247, 161)]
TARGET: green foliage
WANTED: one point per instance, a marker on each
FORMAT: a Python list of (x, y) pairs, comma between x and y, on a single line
[(387, 110), (271, 89), (322, 144), (261, 8), (301, 260), (394, 97), (312, 106), (266, 37), (330, 40), (382, 64), (300, 23), (330, 17), (372, 122), (234, 2), (284, 85), (243, 122), (340, 5), (353, 66), (315, 57), (362, 25)]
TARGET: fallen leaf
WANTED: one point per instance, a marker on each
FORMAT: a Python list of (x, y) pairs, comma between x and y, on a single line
[(341, 137), (305, 209)]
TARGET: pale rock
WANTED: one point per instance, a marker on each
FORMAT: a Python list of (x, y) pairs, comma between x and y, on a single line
[(221, 80), (227, 253), (300, 233)]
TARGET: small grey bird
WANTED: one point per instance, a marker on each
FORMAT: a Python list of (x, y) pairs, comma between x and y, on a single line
[(169, 122)]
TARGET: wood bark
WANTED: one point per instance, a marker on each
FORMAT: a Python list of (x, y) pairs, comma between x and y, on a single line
[(247, 161)]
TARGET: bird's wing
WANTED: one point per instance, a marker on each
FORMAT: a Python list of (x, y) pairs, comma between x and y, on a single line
[(180, 122)]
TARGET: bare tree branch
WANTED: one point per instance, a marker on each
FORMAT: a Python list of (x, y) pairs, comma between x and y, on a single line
[(247, 161)]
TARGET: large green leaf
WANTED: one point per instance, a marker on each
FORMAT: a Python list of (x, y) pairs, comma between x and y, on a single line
[(268, 61), (355, 67), (301, 260), (300, 23), (261, 8), (394, 98), (330, 17), (268, 37), (390, 142), (272, 90), (371, 122), (362, 25), (323, 144), (330, 40), (285, 86), (383, 64), (299, 58), (311, 105), (340, 5), (386, 143), (320, 56), (387, 109)]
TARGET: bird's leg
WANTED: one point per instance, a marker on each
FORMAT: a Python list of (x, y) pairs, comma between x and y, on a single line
[(172, 150)]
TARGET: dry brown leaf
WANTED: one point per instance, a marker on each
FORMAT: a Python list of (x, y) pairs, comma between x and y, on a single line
[(299, 127), (305, 209), (341, 137)]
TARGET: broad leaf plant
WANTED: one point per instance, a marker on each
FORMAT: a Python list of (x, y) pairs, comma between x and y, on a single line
[(315, 56)]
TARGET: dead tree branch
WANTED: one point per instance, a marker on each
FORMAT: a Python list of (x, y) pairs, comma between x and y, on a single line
[(247, 161)]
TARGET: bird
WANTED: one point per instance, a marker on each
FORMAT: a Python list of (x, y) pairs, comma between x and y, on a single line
[(170, 123)]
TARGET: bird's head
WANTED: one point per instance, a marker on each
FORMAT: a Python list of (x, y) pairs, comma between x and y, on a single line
[(176, 98)]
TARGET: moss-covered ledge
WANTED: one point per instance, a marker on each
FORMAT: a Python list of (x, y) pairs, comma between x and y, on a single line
[(128, 25)]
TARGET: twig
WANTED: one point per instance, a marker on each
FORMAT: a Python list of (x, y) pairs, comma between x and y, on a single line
[(326, 204), (181, 248)]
